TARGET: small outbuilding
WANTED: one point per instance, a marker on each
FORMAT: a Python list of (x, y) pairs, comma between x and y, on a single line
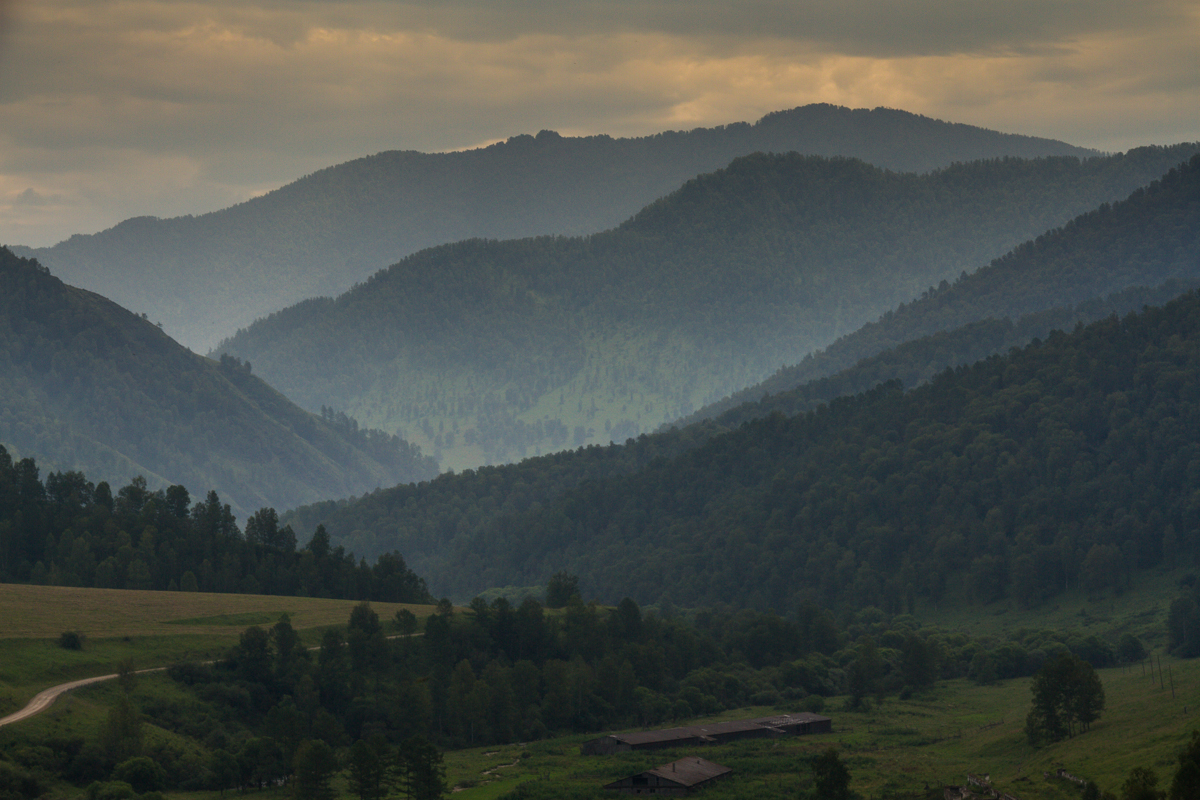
[(673, 780)]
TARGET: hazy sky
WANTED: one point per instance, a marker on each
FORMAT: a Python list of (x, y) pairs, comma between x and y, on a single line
[(115, 109)]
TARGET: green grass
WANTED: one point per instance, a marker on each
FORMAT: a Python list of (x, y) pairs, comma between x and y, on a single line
[(1141, 611), (895, 749), (152, 629), (245, 619), (44, 612)]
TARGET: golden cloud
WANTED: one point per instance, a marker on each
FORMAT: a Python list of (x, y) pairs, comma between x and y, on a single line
[(165, 107)]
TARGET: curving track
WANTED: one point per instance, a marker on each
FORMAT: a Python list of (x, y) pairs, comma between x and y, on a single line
[(46, 698)]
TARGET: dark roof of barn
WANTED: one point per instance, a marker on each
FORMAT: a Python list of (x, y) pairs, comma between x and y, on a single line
[(689, 771), (778, 722)]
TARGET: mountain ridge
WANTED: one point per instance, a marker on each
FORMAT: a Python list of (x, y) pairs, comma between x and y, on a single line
[(1149, 234), (486, 351), (209, 275), (950, 305), (90, 386)]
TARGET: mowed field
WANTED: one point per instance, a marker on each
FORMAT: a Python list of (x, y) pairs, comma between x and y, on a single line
[(151, 629), (43, 612)]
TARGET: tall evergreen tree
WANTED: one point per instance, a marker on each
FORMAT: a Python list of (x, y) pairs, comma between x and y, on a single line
[(315, 765)]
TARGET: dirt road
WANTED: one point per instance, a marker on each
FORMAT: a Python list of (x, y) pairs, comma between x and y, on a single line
[(44, 699)]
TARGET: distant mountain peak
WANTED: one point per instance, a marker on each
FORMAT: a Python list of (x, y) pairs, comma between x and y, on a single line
[(210, 275)]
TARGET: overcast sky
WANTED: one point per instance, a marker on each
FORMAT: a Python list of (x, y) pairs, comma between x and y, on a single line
[(116, 109)]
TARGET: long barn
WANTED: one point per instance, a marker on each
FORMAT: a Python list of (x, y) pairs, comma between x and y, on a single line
[(713, 733)]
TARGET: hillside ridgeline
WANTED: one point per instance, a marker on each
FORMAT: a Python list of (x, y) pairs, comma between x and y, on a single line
[(1096, 254), (486, 352), (87, 385), (207, 276)]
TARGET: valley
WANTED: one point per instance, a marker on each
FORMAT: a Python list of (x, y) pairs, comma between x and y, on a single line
[(849, 412)]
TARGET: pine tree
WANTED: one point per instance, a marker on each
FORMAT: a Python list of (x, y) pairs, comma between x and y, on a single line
[(831, 779)]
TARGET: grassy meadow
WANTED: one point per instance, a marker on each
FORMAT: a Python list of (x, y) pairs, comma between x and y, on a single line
[(1141, 610), (896, 749), (151, 628)]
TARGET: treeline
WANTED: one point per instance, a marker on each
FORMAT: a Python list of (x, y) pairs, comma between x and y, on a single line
[(467, 503), (68, 531), (701, 292), (421, 519), (86, 385)]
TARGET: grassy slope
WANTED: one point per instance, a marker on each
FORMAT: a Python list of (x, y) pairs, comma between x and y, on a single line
[(152, 628), (895, 749), (1141, 611)]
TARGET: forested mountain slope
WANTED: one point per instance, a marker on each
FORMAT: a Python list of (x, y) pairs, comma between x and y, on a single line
[(428, 522), (1150, 238), (915, 362), (87, 385), (1069, 463), (468, 504), (486, 351), (204, 277)]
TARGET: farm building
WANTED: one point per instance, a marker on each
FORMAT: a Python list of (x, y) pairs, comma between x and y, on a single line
[(781, 725), (675, 779)]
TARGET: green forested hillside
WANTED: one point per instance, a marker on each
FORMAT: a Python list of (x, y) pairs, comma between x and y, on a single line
[(486, 351), (1151, 237), (1069, 463), (467, 504), (914, 362), (87, 385), (207, 276)]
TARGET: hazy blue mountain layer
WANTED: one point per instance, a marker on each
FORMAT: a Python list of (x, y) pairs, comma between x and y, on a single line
[(485, 351), (86, 385), (205, 277), (1104, 258)]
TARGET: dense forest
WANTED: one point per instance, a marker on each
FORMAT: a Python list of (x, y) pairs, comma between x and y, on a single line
[(1069, 463), (67, 531), (209, 275), (485, 352), (1151, 237), (86, 385)]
